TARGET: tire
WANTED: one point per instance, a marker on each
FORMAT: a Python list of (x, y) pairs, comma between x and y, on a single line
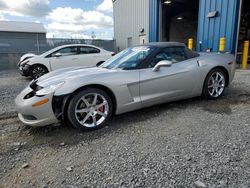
[(214, 85), (37, 71), (94, 109)]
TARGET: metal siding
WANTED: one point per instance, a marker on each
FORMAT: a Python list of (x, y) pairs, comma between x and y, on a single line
[(224, 25), (129, 17), (154, 20), (217, 25), (212, 24)]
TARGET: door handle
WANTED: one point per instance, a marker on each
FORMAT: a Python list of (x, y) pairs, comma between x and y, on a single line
[(74, 58), (198, 62)]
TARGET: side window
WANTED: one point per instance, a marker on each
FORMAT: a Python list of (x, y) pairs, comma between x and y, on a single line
[(159, 57), (88, 50), (65, 51), (131, 61), (191, 54), (174, 54)]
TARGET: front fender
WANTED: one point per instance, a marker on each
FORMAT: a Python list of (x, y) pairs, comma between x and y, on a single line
[(124, 86)]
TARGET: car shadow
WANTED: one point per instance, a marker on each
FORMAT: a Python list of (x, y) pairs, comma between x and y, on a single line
[(54, 135)]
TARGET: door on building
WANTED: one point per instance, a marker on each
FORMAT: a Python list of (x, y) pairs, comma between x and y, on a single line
[(130, 42), (179, 20), (244, 28)]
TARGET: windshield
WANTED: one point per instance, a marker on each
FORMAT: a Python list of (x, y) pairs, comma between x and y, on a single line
[(128, 59)]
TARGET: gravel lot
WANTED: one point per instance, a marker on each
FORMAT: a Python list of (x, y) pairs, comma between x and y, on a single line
[(11, 83), (192, 143)]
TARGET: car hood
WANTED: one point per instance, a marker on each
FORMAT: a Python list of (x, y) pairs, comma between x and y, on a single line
[(26, 56), (72, 73)]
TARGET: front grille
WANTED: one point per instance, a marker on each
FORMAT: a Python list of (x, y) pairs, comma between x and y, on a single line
[(29, 117)]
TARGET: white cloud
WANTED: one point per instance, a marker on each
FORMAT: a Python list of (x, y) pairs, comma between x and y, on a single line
[(105, 6), (76, 21), (62, 22), (34, 8), (2, 17), (66, 14), (98, 18), (78, 16), (55, 26)]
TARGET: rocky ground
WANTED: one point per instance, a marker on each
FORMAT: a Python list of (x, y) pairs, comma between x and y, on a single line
[(11, 83), (191, 143)]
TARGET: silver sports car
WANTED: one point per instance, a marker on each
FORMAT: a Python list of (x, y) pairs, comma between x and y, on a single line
[(135, 78)]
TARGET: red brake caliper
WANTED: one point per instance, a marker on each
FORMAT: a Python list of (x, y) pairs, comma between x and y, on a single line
[(101, 109), (210, 83)]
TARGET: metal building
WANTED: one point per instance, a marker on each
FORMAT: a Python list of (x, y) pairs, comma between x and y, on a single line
[(16, 36), (131, 18), (206, 21)]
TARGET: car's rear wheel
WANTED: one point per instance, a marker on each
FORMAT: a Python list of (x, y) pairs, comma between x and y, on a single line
[(215, 84), (37, 71), (89, 109)]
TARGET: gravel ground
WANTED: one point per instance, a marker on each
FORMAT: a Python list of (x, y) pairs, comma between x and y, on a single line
[(191, 143), (11, 83)]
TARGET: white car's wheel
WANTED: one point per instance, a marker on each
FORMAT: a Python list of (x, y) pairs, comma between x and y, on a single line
[(37, 71), (215, 84), (89, 109)]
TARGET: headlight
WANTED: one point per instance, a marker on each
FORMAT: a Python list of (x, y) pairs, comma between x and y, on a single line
[(49, 89), (24, 63)]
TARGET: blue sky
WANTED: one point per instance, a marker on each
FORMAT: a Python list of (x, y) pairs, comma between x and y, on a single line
[(63, 18)]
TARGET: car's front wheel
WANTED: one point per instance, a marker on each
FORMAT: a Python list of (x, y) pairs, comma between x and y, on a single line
[(215, 84), (89, 109), (37, 71)]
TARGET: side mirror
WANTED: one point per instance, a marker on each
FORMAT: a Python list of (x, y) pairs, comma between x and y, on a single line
[(58, 54), (163, 63)]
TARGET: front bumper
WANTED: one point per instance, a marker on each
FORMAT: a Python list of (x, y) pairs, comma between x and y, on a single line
[(34, 116), (24, 70)]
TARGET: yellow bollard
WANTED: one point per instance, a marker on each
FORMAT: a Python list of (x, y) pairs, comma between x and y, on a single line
[(245, 54), (190, 43), (222, 44)]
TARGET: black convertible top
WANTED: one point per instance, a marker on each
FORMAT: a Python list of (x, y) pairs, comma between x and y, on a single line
[(164, 44)]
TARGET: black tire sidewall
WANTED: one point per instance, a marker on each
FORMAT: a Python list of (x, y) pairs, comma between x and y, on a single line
[(73, 101), (35, 66), (205, 92)]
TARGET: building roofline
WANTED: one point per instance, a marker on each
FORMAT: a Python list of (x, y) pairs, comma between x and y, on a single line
[(22, 27)]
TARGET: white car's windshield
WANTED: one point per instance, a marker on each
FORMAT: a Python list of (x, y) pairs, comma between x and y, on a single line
[(128, 59)]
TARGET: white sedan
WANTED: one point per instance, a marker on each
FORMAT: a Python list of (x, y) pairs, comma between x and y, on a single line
[(73, 55)]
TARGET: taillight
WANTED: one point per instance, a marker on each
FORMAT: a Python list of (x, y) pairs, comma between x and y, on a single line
[(113, 54)]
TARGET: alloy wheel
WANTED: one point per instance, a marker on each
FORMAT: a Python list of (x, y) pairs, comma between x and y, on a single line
[(38, 71), (91, 110), (216, 84)]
